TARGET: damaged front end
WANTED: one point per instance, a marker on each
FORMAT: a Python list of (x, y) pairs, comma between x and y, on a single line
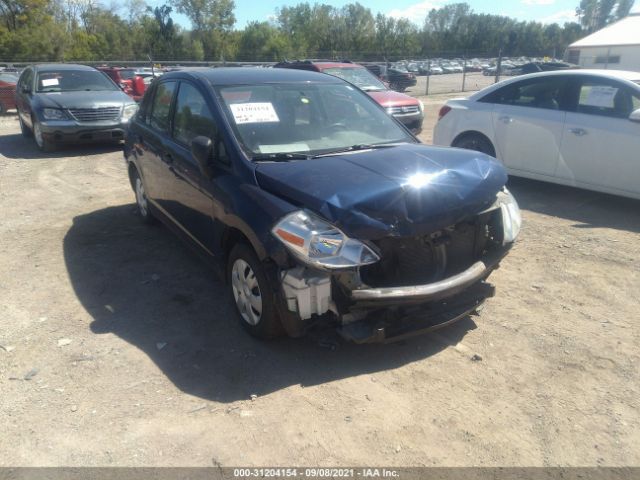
[(392, 287)]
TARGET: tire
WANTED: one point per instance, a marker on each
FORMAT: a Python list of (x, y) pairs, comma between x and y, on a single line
[(142, 202), (252, 296), (476, 142), (44, 144), (26, 131), (3, 110)]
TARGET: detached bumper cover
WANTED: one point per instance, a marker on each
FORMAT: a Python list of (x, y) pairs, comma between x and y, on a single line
[(431, 291)]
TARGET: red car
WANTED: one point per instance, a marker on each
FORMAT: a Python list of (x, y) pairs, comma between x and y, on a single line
[(131, 84), (408, 110), (7, 92)]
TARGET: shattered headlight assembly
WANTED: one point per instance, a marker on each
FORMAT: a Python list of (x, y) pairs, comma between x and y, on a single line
[(320, 244), (129, 111), (511, 218), (53, 114)]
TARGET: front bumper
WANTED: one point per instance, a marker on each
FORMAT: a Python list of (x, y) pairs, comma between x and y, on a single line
[(64, 131), (391, 325), (444, 288)]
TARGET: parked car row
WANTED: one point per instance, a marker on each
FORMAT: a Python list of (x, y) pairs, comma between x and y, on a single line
[(488, 67), (314, 202)]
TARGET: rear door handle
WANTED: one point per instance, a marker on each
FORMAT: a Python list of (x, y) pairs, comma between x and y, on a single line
[(580, 132), (506, 119)]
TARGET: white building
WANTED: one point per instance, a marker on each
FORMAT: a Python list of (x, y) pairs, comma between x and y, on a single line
[(616, 46)]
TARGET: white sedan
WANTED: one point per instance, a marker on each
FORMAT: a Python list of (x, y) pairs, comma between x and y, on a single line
[(573, 127)]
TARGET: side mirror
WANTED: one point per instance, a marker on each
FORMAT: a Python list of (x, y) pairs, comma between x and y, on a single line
[(201, 149), (635, 116)]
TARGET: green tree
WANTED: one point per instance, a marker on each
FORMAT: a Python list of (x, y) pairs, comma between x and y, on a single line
[(212, 22)]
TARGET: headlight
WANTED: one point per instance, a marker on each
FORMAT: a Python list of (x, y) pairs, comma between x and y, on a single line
[(320, 244), (53, 114), (421, 105), (129, 111), (511, 218)]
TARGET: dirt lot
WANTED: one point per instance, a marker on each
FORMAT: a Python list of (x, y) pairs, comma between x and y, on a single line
[(119, 347)]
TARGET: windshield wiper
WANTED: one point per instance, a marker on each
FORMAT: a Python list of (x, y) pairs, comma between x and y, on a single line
[(358, 147), (280, 157)]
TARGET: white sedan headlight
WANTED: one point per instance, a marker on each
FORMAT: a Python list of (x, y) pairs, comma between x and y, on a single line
[(53, 114), (320, 244), (511, 218), (129, 111)]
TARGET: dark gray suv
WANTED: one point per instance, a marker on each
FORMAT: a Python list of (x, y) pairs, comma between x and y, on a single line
[(63, 103)]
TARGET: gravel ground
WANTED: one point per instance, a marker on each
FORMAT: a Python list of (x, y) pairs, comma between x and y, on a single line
[(118, 347)]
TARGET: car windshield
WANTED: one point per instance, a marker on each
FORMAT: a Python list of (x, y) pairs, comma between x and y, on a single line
[(360, 77), (310, 119), (73, 81), (127, 74)]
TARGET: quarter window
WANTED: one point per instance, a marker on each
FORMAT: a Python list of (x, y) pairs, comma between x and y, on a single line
[(159, 118), (192, 116)]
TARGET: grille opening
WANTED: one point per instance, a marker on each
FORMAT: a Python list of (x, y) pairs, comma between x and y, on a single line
[(95, 114), (429, 258)]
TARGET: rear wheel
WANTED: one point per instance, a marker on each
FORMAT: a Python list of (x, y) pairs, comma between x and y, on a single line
[(252, 294), (477, 142)]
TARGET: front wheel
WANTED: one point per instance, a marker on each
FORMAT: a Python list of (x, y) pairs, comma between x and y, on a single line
[(26, 131), (43, 143), (142, 202), (251, 293)]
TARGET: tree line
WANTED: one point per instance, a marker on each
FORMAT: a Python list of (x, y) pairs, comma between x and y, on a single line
[(86, 30)]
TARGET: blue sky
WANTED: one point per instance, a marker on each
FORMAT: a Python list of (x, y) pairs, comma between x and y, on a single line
[(547, 11)]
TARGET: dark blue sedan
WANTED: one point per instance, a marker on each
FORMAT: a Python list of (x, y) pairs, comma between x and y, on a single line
[(315, 205)]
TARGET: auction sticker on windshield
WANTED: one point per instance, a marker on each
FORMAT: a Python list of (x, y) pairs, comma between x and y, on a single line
[(262, 112)]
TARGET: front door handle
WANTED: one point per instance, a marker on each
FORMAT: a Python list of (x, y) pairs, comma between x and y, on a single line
[(506, 119), (580, 132)]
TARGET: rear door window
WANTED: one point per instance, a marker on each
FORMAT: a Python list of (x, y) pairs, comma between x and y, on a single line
[(606, 98), (159, 117)]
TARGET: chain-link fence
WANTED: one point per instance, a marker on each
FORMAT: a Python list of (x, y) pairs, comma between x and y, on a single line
[(438, 74)]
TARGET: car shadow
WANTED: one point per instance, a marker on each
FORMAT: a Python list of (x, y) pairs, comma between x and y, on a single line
[(17, 147), (143, 285), (587, 208)]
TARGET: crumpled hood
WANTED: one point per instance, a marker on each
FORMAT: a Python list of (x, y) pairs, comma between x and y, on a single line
[(83, 99), (407, 190)]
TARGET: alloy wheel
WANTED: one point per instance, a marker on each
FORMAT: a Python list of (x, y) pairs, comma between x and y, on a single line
[(246, 292)]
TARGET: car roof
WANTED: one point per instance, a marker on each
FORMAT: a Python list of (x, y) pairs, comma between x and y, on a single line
[(610, 74), (248, 76), (62, 66)]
